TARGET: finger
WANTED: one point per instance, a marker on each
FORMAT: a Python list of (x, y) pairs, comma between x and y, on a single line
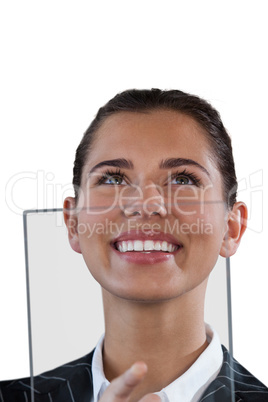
[(150, 398), (123, 385)]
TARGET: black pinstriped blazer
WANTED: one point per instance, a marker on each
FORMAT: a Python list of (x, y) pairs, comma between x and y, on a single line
[(72, 382)]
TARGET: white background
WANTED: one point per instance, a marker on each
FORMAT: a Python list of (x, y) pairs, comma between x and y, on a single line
[(61, 60)]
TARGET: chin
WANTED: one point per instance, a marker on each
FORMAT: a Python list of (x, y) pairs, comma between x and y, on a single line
[(144, 294)]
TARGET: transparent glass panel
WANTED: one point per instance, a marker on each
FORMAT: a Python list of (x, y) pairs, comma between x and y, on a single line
[(64, 301)]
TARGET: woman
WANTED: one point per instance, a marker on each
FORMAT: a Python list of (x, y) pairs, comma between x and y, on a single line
[(152, 166)]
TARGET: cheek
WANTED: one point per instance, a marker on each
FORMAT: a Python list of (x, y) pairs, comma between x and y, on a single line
[(93, 250), (97, 207), (201, 229), (96, 229), (99, 200), (199, 220)]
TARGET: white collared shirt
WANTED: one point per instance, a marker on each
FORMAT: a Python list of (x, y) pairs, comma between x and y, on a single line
[(188, 387)]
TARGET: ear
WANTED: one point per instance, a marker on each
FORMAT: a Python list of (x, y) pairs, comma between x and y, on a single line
[(71, 221), (236, 226)]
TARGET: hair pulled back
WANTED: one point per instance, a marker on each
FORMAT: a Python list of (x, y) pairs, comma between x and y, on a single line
[(136, 100)]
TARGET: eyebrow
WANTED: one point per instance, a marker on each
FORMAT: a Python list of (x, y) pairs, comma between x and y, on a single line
[(120, 163), (164, 164), (177, 162)]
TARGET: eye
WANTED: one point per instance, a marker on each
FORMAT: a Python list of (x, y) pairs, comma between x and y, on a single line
[(185, 178), (115, 180), (112, 178), (182, 180)]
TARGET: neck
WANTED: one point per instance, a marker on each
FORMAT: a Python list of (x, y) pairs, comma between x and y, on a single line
[(168, 336)]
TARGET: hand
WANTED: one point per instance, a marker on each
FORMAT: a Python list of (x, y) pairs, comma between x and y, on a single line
[(121, 387)]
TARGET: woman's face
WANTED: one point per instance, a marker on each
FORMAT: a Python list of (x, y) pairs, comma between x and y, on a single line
[(151, 218)]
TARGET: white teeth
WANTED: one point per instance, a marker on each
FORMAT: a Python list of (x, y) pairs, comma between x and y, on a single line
[(124, 246), (147, 245), (170, 248), (164, 246), (138, 245), (157, 245), (120, 248), (130, 246)]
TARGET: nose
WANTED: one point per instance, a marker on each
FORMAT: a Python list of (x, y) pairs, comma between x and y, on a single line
[(148, 202)]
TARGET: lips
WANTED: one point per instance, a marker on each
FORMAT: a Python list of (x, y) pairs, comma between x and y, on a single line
[(147, 242)]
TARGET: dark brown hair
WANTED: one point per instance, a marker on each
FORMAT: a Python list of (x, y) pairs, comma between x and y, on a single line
[(136, 100)]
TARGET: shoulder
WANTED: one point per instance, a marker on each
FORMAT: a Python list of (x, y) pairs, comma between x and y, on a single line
[(233, 377), (71, 381)]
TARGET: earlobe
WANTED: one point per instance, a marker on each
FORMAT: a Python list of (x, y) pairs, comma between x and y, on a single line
[(70, 219), (236, 226)]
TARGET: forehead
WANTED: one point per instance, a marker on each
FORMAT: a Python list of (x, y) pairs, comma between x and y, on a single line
[(160, 132)]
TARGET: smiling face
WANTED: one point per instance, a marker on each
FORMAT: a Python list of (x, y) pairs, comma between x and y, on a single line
[(151, 218)]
